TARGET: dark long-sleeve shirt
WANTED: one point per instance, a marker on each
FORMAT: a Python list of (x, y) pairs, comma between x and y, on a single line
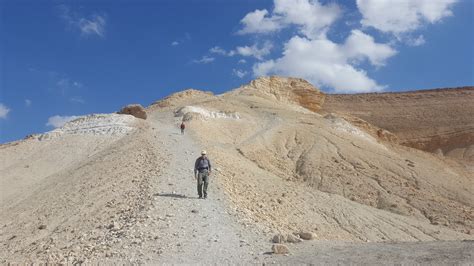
[(201, 164)]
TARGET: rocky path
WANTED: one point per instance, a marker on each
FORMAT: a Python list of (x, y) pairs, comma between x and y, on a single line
[(188, 229)]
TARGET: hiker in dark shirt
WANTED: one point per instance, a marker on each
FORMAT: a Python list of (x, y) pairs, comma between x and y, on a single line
[(183, 126), (202, 170)]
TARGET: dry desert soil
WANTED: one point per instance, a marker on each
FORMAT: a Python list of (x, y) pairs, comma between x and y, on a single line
[(383, 178)]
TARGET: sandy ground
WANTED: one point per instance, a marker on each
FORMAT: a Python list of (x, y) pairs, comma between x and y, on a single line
[(401, 253)]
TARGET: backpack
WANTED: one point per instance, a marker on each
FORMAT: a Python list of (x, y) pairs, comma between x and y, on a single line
[(182, 126), (202, 159)]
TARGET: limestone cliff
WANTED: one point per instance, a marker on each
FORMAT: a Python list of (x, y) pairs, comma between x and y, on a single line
[(287, 90)]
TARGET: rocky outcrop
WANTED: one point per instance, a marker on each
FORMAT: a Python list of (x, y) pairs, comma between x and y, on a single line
[(134, 109), (374, 131), (287, 90), (182, 96), (190, 112), (112, 125)]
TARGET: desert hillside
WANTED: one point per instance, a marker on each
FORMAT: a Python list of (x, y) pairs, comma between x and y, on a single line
[(289, 163), (269, 133), (439, 121)]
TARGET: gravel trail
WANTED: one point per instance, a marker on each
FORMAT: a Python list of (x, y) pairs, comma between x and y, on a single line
[(188, 229)]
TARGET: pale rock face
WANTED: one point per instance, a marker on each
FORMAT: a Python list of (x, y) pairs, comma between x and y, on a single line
[(287, 90), (95, 124), (341, 124), (189, 112)]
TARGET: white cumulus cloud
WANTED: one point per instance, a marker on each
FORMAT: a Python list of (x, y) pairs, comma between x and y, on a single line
[(254, 50), (4, 110), (326, 63), (258, 22), (312, 17), (360, 46), (59, 121), (341, 66), (257, 51), (400, 16)]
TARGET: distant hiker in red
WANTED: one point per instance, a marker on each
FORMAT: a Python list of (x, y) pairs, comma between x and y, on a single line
[(182, 128)]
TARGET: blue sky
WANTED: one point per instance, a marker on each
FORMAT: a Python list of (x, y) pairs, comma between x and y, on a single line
[(66, 58)]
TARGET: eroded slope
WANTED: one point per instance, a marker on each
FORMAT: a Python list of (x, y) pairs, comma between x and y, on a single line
[(291, 169), (73, 194), (440, 121)]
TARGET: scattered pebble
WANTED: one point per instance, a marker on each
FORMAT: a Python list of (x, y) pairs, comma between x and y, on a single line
[(291, 238), (280, 249), (279, 238)]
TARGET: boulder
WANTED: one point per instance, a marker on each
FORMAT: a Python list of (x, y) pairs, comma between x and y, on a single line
[(134, 109), (280, 249), (307, 235)]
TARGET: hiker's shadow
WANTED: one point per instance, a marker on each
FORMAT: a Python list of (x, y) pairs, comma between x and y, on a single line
[(171, 195)]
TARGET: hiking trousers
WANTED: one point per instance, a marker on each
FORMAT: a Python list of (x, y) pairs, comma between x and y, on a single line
[(202, 183)]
